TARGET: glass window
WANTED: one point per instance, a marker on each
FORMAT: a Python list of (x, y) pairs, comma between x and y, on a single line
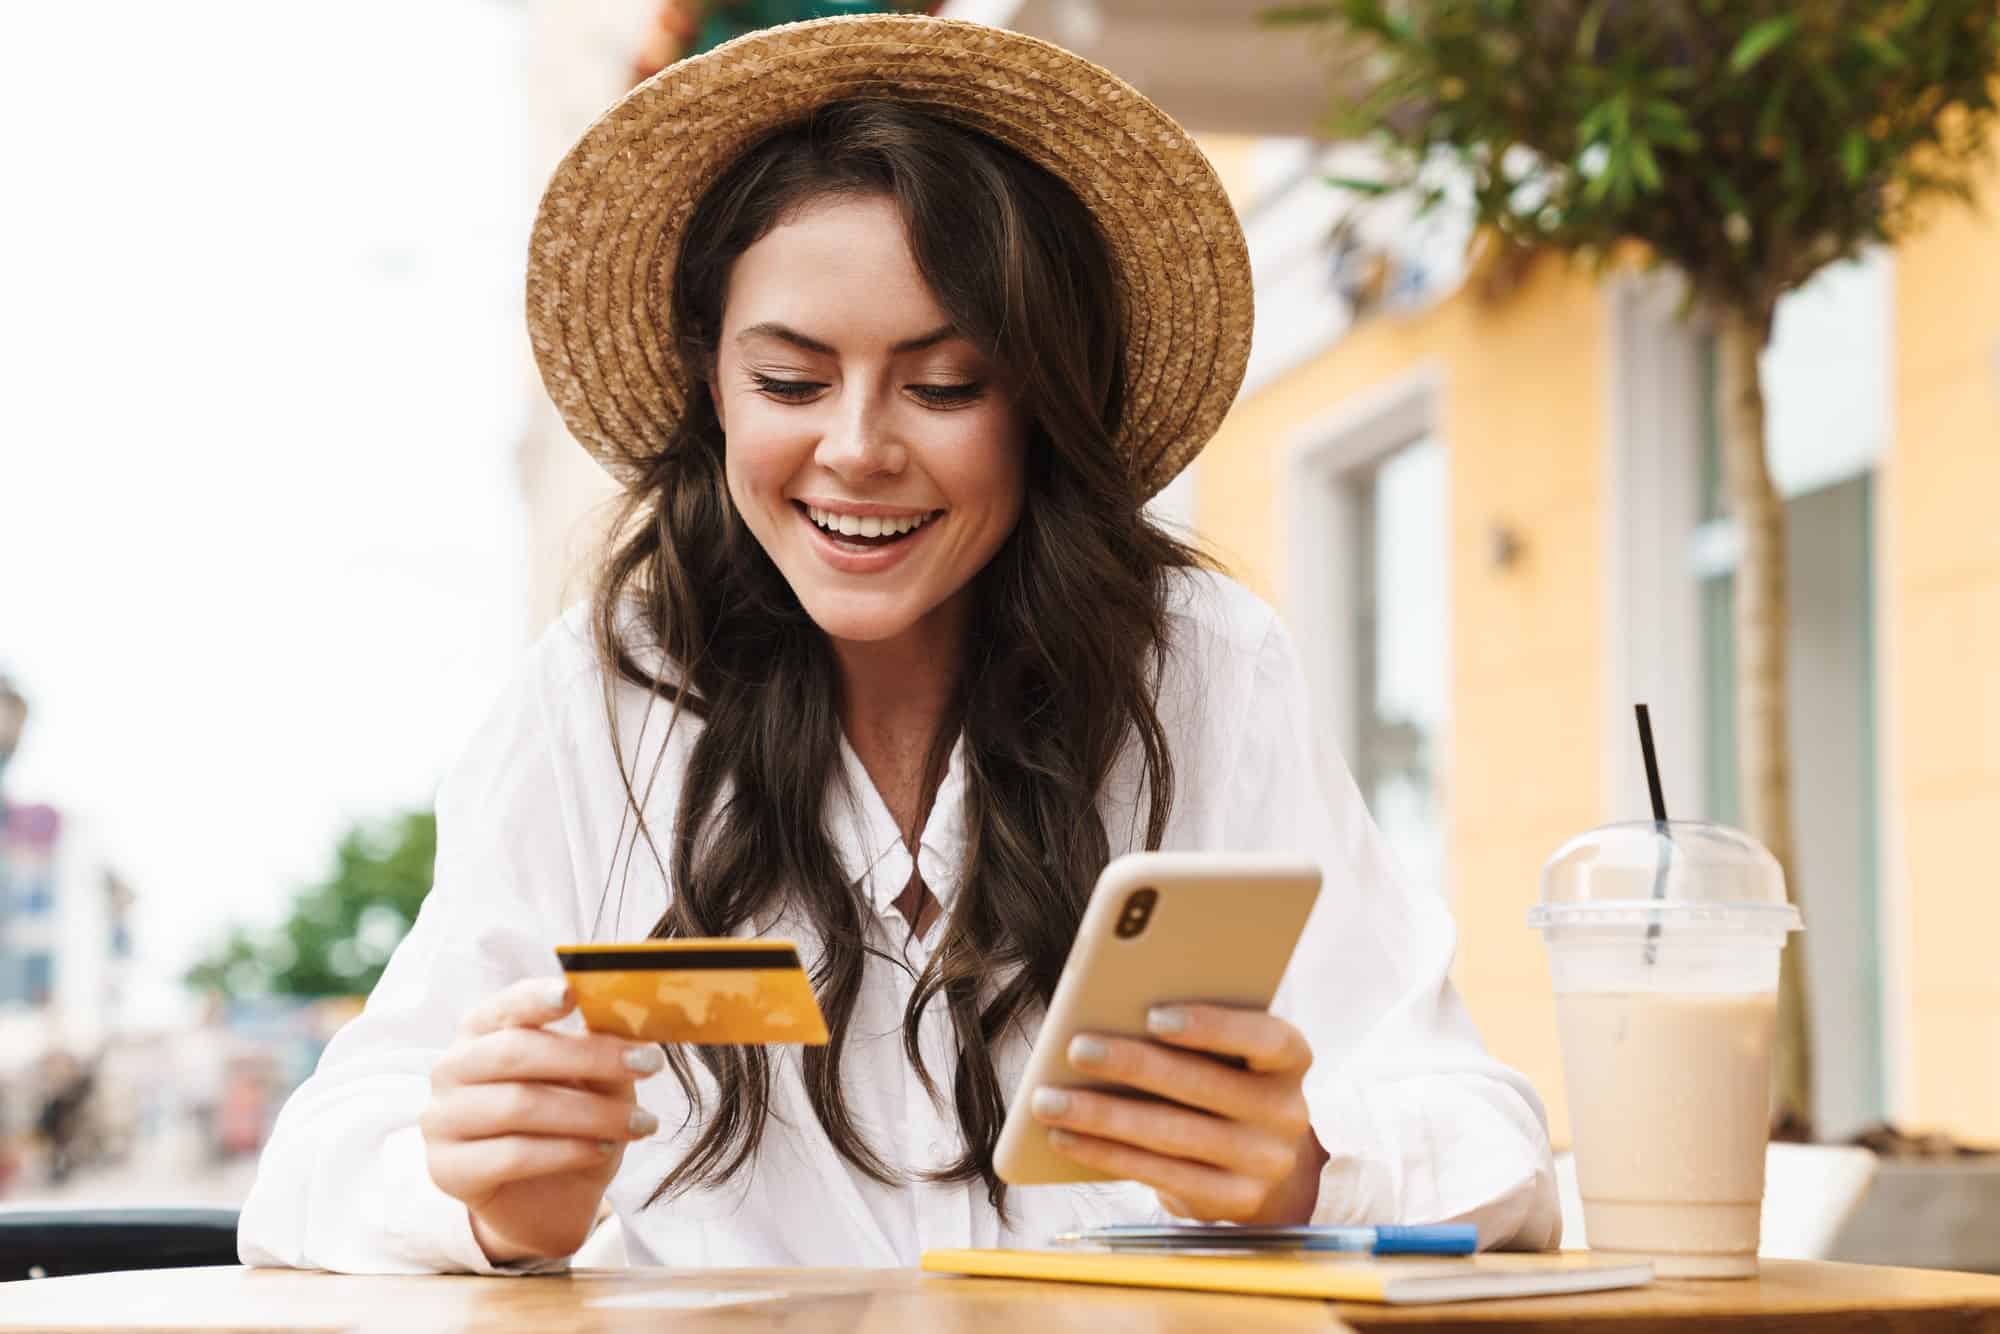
[(1401, 649), (1826, 376)]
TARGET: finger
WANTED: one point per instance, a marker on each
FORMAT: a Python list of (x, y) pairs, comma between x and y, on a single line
[(1265, 1042), (487, 1111), (1168, 1130), (533, 1055), (1267, 1100), (529, 1003), (1198, 1190), (471, 1170)]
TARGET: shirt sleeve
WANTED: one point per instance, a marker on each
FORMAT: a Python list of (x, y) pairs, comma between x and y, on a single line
[(343, 1182), (1421, 1125)]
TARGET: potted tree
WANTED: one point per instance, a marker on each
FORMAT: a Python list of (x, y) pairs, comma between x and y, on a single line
[(1745, 144)]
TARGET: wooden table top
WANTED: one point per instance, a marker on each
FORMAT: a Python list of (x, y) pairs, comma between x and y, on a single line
[(1818, 1297)]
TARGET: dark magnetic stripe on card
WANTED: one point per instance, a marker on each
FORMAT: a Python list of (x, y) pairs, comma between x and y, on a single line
[(675, 961)]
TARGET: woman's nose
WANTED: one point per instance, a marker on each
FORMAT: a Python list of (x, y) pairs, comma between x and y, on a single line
[(860, 443)]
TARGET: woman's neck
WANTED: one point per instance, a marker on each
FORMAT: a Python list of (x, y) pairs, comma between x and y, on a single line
[(895, 694)]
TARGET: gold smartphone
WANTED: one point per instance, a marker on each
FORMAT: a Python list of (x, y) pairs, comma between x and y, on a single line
[(716, 991), (1160, 927)]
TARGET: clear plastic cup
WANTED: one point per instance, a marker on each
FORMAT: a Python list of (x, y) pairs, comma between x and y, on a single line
[(1664, 941)]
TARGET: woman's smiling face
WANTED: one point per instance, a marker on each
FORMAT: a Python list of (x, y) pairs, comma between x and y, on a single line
[(870, 448)]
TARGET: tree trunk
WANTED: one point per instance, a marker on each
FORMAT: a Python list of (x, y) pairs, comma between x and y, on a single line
[(1763, 728)]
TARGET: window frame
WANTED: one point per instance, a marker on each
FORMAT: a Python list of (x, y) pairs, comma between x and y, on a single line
[(1323, 461)]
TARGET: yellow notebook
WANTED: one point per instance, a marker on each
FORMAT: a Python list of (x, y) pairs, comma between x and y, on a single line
[(1333, 1277)]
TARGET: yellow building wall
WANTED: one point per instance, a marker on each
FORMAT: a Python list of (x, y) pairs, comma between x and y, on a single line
[(1522, 401), (1524, 392), (1941, 605)]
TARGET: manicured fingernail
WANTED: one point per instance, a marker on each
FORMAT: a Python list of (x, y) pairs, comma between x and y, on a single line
[(645, 1060), (1050, 1102), (1060, 1139), (555, 994), (606, 1147), (642, 1122), (1166, 1020), (1086, 1050)]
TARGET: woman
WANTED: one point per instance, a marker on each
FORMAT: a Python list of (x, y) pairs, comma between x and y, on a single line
[(890, 326)]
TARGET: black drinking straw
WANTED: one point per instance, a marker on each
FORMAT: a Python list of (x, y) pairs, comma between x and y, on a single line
[(1652, 764), (1659, 824)]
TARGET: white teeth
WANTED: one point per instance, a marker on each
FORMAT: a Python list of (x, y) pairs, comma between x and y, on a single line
[(874, 525)]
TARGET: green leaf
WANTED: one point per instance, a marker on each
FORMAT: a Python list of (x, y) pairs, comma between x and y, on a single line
[(1792, 168), (1669, 126), (1645, 166), (1294, 15), (1661, 111), (1613, 181), (1586, 31), (1760, 41), (1884, 51), (1770, 121), (1358, 185), (1854, 156), (1830, 90), (1913, 12)]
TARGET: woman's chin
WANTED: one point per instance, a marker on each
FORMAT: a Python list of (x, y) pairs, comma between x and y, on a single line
[(863, 621)]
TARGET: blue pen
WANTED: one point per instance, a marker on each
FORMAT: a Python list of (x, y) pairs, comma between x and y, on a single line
[(1420, 1239)]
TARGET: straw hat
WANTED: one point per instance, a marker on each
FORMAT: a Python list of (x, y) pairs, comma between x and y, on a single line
[(609, 230)]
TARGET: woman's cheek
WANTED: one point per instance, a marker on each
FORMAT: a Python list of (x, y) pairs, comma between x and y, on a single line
[(758, 459)]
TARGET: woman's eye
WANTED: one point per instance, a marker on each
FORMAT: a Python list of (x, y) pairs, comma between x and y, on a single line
[(938, 395), (948, 393), (791, 391)]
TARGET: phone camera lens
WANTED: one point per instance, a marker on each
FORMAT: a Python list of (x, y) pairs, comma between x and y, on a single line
[(1138, 910)]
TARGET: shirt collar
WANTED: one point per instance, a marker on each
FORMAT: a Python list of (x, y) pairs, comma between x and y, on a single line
[(870, 846)]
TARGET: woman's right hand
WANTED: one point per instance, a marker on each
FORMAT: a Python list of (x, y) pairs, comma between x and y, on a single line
[(527, 1126)]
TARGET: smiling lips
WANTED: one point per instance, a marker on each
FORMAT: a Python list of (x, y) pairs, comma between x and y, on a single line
[(873, 527), (864, 543)]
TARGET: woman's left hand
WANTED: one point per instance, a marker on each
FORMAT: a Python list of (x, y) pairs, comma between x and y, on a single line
[(1237, 1149)]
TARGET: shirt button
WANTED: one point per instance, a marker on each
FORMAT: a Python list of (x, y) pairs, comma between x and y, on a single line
[(937, 1148)]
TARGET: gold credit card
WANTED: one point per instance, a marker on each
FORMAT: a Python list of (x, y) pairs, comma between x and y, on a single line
[(705, 991)]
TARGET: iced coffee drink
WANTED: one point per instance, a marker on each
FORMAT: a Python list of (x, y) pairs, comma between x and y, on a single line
[(1700, 1178), (1664, 944)]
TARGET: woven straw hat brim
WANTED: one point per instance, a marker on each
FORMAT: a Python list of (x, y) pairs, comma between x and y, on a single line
[(609, 229)]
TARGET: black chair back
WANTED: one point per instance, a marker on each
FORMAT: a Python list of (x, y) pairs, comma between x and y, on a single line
[(49, 1243)]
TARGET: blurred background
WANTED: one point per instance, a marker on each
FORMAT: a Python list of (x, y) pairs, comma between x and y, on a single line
[(281, 503)]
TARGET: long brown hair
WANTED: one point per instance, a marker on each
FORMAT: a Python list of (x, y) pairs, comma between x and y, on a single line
[(1067, 636)]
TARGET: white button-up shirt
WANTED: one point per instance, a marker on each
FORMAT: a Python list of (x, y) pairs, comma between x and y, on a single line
[(535, 849)]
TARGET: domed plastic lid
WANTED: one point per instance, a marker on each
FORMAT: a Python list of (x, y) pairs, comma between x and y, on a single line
[(1671, 873)]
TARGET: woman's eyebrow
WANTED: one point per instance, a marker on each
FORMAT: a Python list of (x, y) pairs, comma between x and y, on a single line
[(771, 329)]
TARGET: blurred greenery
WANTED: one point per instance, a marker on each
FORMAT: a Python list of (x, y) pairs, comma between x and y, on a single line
[(340, 932), (725, 20)]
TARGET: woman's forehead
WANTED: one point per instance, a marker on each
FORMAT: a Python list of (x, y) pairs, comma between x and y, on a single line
[(837, 275), (833, 238)]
